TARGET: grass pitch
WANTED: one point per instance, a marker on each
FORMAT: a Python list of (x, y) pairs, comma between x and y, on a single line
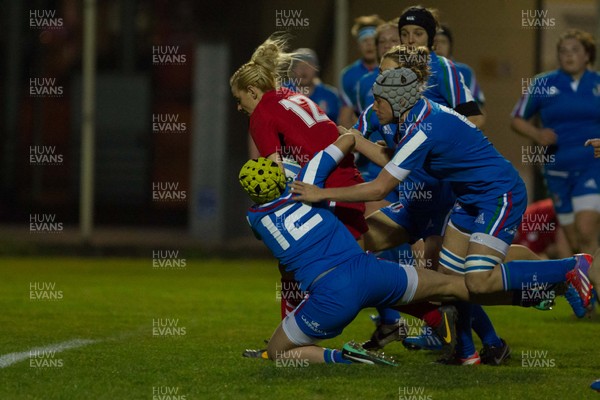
[(178, 333)]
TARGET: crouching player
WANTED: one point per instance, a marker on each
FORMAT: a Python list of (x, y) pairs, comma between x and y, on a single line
[(340, 278)]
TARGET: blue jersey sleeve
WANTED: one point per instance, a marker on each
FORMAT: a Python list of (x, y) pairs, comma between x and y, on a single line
[(529, 103), (364, 92), (254, 231), (320, 166), (470, 81), (347, 86), (367, 122), (451, 84), (410, 154)]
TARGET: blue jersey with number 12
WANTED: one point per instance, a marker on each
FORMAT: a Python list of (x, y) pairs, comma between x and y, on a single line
[(307, 240)]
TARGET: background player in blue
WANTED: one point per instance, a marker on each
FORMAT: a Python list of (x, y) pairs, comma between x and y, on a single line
[(305, 74), (386, 37), (418, 27), (443, 43), (388, 323), (370, 40), (363, 31), (567, 101), (491, 196), (339, 276)]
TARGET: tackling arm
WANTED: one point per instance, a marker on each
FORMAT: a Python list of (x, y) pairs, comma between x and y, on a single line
[(378, 154), (377, 189)]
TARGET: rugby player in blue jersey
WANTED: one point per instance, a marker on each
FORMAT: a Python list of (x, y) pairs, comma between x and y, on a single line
[(305, 72), (363, 31), (567, 102), (386, 37), (491, 197), (340, 278), (389, 326), (443, 43), (412, 218)]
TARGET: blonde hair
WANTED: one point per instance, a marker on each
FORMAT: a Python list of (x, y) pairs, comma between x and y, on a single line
[(415, 58), (586, 40), (392, 24), (267, 66), (364, 21)]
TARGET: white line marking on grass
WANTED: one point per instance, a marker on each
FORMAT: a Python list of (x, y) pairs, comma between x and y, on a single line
[(11, 358)]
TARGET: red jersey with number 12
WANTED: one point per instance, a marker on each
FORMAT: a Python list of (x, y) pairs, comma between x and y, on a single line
[(293, 126)]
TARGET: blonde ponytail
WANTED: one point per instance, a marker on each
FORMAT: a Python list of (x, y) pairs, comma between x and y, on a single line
[(267, 67)]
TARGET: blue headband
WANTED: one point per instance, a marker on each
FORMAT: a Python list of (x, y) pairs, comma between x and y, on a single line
[(366, 32)]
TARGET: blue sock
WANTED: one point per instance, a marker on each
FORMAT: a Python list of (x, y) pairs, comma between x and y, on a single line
[(333, 356), (483, 327), (388, 316), (464, 338), (520, 275)]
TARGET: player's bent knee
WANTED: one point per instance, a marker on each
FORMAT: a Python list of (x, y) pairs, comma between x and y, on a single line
[(478, 271), (478, 283)]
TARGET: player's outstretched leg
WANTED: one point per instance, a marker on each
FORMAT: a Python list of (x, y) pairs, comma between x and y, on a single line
[(594, 275), (287, 353), (579, 277)]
